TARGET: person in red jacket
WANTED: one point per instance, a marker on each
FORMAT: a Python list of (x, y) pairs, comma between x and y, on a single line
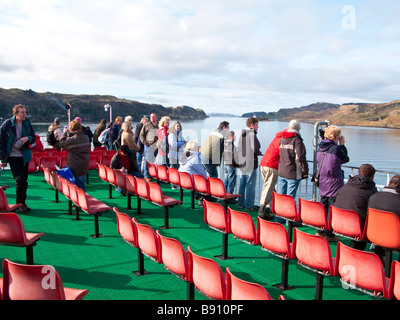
[(269, 172)]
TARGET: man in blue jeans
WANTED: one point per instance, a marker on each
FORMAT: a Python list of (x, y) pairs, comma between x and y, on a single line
[(292, 161), (248, 150)]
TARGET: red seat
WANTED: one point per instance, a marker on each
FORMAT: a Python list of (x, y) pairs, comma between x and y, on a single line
[(148, 244), (50, 150), (216, 218), (106, 159), (158, 198), (312, 214), (394, 287), (32, 166), (111, 179), (104, 149), (284, 206), (273, 238), (238, 289), (28, 282), (91, 206), (49, 162), (175, 259), (174, 179), (186, 183), (12, 233), (63, 162), (130, 184), (128, 231), (152, 170), (110, 152), (313, 252), (4, 206), (207, 276), (361, 270), (241, 226), (58, 155), (218, 191), (201, 184), (98, 154), (345, 223), (65, 185), (102, 172), (37, 155), (383, 229), (162, 173), (120, 179), (142, 190)]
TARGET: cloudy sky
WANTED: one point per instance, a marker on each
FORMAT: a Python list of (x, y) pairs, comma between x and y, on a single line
[(218, 55)]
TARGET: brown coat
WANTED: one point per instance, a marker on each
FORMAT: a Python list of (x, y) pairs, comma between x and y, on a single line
[(78, 146)]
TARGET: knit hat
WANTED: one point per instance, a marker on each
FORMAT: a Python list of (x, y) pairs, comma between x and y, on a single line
[(78, 119), (294, 125)]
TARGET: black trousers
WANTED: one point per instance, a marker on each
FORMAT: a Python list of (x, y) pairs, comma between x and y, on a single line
[(19, 171)]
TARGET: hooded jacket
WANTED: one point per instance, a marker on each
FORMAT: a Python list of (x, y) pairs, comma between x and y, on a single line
[(354, 195), (78, 146), (331, 175), (248, 150), (387, 200), (190, 162), (292, 156), (271, 156), (7, 138)]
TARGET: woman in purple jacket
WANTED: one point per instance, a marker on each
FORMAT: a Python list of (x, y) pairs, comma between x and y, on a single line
[(332, 154)]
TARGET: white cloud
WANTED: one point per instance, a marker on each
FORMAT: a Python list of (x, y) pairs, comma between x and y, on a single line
[(244, 54)]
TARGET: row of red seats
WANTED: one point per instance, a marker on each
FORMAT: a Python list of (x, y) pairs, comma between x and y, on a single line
[(76, 197), (381, 228), (213, 187), (361, 269), (199, 272), (138, 187), (52, 158)]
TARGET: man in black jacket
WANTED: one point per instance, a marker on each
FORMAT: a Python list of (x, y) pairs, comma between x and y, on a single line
[(389, 198)]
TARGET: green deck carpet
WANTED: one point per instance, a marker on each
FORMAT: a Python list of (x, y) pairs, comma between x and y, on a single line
[(104, 265)]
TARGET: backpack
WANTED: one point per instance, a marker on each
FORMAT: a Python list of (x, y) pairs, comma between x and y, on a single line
[(51, 139), (103, 136)]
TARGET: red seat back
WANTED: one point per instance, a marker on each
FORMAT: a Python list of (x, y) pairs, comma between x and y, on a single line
[(186, 181), (126, 227), (238, 289), (217, 187), (241, 225), (312, 213), (49, 162), (173, 256), (130, 184), (92, 162), (201, 184), (273, 237), (155, 193), (313, 251), (12, 230), (152, 170), (120, 179), (284, 206), (361, 268), (102, 171), (346, 223), (383, 228), (111, 178), (147, 240), (162, 172), (106, 159), (394, 288), (142, 188), (207, 276), (173, 176), (215, 216), (29, 282)]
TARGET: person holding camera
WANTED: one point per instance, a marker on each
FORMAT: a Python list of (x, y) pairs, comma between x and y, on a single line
[(332, 154), (16, 134)]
